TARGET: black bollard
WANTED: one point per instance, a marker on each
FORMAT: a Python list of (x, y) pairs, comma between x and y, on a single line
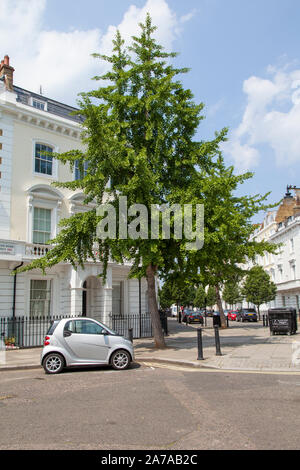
[(227, 321), (130, 334), (200, 346), (217, 339), (267, 320), (166, 325)]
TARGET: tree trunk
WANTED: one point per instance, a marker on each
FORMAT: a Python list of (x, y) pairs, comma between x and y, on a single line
[(152, 302), (220, 307)]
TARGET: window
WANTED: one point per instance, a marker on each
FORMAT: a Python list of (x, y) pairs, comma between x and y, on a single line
[(43, 163), (41, 225), (293, 270), (78, 174), (280, 273), (38, 104), (84, 327), (291, 245), (40, 298)]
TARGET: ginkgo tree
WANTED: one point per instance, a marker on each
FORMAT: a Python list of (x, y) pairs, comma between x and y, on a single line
[(138, 131), (139, 134)]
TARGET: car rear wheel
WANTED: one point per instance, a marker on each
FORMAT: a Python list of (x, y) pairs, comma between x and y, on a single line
[(53, 363), (120, 360)]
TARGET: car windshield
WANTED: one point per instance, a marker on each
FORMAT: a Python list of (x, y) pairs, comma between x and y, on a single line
[(112, 332)]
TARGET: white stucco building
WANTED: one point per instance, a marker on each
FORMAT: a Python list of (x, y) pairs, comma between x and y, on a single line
[(30, 210), (282, 226)]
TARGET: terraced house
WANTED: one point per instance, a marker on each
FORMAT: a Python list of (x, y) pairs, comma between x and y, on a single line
[(31, 208), (282, 226)]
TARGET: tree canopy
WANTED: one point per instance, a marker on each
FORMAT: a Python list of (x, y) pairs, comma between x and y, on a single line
[(258, 287)]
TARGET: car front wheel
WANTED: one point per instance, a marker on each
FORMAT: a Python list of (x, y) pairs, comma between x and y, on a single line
[(53, 363), (120, 360)]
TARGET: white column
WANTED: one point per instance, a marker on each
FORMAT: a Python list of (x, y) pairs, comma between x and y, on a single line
[(126, 297), (76, 301), (6, 154), (107, 296)]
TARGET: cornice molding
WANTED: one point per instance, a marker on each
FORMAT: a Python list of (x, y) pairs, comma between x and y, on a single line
[(43, 120)]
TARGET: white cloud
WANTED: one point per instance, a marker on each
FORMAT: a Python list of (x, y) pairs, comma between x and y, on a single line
[(61, 61), (271, 117)]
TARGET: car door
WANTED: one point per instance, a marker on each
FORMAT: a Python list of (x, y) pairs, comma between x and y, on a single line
[(86, 340)]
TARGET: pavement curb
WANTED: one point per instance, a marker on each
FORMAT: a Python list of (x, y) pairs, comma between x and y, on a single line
[(192, 364), (174, 362), (19, 367)]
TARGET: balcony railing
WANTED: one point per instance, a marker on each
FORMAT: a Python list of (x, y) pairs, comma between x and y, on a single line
[(20, 250), (36, 250)]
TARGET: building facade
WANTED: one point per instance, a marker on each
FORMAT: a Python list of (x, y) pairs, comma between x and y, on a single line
[(31, 208), (282, 226)]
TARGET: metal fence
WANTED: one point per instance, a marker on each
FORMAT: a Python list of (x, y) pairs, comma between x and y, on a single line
[(25, 332), (141, 325)]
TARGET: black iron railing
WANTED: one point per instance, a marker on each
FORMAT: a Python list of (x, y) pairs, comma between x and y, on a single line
[(26, 332), (141, 325)]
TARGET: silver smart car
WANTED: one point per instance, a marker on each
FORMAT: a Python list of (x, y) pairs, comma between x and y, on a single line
[(84, 342)]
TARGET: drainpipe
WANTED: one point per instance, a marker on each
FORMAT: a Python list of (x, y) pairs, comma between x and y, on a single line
[(14, 293), (140, 308)]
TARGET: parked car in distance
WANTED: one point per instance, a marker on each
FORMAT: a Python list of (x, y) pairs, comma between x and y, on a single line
[(226, 312), (209, 313), (232, 315), (195, 317), (186, 312), (84, 342), (246, 314)]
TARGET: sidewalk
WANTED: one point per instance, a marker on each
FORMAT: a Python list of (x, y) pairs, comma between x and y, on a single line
[(244, 346)]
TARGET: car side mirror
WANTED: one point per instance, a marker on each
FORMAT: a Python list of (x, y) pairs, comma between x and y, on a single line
[(67, 333)]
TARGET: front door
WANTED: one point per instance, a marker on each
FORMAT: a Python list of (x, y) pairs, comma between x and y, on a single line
[(85, 340)]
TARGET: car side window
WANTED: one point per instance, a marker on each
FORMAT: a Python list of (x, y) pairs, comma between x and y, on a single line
[(87, 327), (70, 326), (84, 327)]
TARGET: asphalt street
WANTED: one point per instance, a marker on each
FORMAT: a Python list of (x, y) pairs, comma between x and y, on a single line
[(149, 407)]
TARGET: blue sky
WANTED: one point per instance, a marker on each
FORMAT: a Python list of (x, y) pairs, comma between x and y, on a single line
[(243, 55)]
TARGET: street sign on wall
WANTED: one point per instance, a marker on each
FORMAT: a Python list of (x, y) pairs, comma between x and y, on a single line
[(7, 248)]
